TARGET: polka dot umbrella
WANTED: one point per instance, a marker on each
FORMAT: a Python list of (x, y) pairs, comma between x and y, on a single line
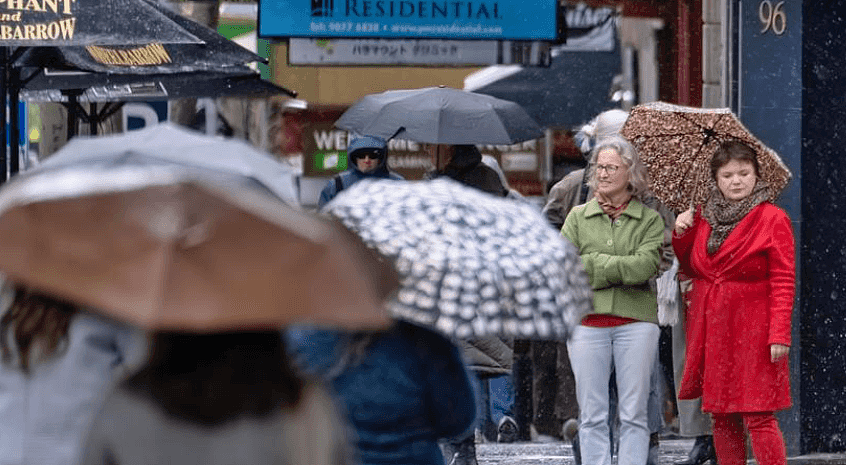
[(676, 144), (470, 264)]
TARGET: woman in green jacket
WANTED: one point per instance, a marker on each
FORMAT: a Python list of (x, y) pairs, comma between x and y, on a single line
[(619, 240)]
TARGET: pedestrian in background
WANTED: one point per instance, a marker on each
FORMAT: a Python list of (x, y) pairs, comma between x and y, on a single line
[(489, 358), (619, 240), (574, 190), (367, 157), (464, 164), (217, 398), (693, 422), (402, 389), (58, 363), (554, 388), (740, 252)]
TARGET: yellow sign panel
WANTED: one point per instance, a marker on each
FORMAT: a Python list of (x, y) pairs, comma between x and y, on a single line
[(15, 27), (147, 55), (42, 6)]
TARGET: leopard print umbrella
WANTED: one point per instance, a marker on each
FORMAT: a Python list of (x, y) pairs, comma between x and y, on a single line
[(470, 264), (676, 144)]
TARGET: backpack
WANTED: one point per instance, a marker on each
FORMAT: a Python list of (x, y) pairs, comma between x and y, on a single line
[(339, 184)]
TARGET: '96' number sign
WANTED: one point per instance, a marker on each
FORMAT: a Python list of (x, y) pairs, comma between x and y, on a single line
[(772, 17)]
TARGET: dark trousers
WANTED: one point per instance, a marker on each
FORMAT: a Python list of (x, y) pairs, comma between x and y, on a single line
[(545, 388)]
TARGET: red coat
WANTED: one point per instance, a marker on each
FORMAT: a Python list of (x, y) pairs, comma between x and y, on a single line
[(741, 303)]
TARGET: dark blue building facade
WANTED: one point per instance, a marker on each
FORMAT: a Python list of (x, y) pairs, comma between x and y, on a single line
[(788, 85)]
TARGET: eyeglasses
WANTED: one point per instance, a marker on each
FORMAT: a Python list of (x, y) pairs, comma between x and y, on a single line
[(610, 169), (370, 155)]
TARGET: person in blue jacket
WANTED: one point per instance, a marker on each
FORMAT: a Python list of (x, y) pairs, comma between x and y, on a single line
[(368, 158), (403, 389)]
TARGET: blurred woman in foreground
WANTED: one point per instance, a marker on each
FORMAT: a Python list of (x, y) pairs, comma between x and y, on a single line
[(58, 362), (221, 398)]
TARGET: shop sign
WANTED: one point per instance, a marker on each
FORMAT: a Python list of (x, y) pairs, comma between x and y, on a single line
[(392, 52), (36, 20), (414, 19)]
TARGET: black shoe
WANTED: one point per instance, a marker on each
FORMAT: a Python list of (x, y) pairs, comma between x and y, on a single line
[(461, 453), (654, 450), (702, 452), (506, 431), (577, 451)]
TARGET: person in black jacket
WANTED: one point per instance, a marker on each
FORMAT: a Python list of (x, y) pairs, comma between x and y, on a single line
[(463, 163)]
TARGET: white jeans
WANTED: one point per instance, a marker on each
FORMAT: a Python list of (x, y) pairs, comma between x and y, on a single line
[(631, 348)]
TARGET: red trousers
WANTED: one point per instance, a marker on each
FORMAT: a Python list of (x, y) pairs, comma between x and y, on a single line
[(730, 439)]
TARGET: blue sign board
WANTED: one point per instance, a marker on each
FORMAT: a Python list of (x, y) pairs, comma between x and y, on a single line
[(431, 19)]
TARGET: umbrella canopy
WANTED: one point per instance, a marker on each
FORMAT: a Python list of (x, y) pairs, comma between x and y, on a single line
[(567, 94), (440, 115), (101, 87), (89, 22), (470, 264), (677, 142), (169, 244), (170, 145), (214, 53)]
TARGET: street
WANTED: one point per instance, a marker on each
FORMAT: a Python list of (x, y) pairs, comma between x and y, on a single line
[(561, 453)]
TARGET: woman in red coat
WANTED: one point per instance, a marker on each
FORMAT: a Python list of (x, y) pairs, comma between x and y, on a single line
[(739, 250)]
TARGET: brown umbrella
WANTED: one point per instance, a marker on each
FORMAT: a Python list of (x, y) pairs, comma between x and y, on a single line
[(168, 245), (677, 142)]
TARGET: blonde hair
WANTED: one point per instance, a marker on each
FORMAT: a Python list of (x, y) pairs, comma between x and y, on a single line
[(638, 176)]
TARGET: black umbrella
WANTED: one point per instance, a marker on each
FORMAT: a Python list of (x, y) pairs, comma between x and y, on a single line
[(113, 90), (214, 53), (570, 92), (73, 23), (89, 22)]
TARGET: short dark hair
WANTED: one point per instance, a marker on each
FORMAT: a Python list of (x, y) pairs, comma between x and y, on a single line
[(733, 150), (213, 378)]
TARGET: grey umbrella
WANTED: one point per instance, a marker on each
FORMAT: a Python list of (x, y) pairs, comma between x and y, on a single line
[(440, 115), (172, 229), (470, 264), (170, 145)]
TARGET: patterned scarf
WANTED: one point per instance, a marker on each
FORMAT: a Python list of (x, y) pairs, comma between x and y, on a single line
[(723, 215), (610, 209)]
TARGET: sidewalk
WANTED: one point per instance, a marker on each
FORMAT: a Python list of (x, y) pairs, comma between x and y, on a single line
[(561, 453)]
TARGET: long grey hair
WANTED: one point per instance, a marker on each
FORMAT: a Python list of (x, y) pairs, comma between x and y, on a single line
[(638, 176)]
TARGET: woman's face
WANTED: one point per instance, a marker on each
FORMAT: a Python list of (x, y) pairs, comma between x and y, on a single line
[(612, 175), (736, 179)]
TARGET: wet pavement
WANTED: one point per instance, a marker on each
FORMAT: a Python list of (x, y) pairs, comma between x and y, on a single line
[(561, 453)]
